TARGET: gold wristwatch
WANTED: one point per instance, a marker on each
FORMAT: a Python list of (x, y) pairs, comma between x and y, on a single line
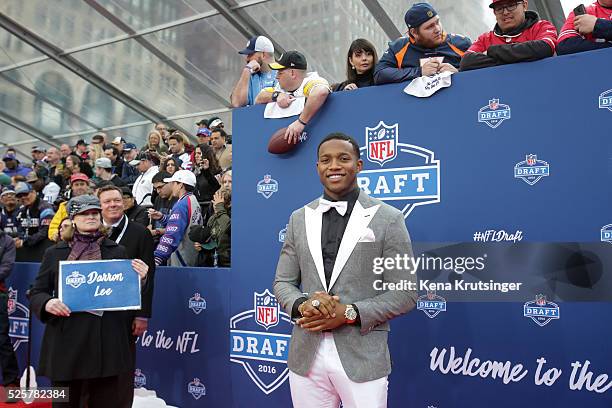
[(350, 314)]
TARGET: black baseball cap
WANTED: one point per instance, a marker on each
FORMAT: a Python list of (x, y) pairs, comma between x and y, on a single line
[(202, 122), (290, 59)]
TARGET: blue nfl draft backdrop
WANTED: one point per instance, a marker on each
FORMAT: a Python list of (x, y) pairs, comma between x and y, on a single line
[(520, 154), (513, 162)]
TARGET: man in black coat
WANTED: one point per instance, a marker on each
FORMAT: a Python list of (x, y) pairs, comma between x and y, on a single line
[(135, 213), (138, 243)]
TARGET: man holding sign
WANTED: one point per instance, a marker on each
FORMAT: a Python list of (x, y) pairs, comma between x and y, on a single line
[(83, 350)]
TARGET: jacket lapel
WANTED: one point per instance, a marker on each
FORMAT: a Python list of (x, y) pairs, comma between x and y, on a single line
[(314, 221), (360, 218)]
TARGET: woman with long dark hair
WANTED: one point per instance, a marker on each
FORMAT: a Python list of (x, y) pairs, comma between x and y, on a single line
[(360, 62), (170, 165), (207, 170), (83, 351)]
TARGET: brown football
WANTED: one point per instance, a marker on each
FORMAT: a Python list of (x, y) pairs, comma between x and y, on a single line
[(278, 145)]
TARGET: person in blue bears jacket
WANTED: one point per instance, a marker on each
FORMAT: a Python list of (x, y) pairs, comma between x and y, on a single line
[(426, 40)]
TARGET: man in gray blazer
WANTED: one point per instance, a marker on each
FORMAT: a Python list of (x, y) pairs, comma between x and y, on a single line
[(325, 279)]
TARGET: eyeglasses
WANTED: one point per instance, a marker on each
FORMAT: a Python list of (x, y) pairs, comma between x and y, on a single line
[(507, 7)]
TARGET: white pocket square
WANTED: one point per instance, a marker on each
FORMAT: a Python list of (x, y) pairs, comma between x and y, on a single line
[(368, 236)]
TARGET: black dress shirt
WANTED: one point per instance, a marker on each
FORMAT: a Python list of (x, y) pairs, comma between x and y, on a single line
[(332, 231)]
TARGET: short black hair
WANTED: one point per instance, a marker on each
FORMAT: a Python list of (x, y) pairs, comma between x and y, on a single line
[(220, 131), (340, 136), (160, 176), (110, 147)]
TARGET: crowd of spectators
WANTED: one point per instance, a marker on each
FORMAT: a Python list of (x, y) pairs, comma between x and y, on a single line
[(181, 191), (426, 49), (519, 35), (161, 184)]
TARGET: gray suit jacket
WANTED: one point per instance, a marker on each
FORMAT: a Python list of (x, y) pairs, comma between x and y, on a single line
[(374, 230)]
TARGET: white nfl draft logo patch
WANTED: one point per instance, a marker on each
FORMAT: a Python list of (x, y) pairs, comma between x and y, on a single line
[(196, 388), (75, 279), (541, 311), (431, 304), (531, 170), (494, 114), (197, 303), (606, 233), (605, 100), (267, 186), (259, 342)]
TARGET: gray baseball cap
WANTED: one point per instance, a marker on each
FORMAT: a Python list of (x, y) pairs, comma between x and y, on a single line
[(82, 203), (104, 163)]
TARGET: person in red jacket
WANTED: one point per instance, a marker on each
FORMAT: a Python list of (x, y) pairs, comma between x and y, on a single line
[(518, 36), (590, 31)]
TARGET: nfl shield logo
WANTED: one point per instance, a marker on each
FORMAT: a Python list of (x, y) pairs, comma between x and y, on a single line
[(12, 301), (267, 309), (381, 142), (531, 159), (494, 104)]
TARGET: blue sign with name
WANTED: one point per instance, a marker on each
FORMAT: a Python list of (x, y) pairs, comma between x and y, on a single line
[(99, 285)]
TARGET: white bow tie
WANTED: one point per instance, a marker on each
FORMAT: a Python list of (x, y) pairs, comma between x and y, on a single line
[(326, 205)]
